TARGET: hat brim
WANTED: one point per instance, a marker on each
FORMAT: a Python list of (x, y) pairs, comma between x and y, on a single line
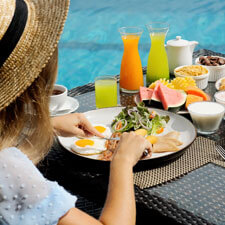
[(39, 40)]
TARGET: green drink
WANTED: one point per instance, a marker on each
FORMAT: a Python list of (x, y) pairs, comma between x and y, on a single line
[(105, 91), (157, 60)]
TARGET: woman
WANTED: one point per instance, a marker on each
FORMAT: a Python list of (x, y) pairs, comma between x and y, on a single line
[(29, 33)]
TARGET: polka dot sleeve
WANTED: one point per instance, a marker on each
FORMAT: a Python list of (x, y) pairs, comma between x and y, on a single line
[(26, 197)]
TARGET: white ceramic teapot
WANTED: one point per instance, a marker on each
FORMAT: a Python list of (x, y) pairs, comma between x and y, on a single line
[(179, 52)]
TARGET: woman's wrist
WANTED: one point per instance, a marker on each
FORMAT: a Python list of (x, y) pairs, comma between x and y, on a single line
[(121, 161), (54, 125)]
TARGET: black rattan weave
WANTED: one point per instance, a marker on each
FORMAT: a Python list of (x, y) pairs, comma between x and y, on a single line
[(89, 183)]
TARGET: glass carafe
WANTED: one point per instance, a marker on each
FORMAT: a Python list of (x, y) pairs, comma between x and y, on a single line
[(157, 66), (131, 74)]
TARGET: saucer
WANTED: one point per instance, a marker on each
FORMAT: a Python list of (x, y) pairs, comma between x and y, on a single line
[(69, 106)]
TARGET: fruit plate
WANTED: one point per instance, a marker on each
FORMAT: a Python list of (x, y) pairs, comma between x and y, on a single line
[(181, 111), (105, 116)]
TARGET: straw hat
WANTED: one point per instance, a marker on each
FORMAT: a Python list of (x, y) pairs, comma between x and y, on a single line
[(29, 33)]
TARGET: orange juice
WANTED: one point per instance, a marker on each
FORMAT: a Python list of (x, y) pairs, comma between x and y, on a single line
[(131, 75)]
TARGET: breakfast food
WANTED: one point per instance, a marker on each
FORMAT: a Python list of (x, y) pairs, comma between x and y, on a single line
[(145, 93), (103, 129), (211, 60), (220, 97), (222, 85), (132, 119), (181, 83), (197, 91), (92, 145), (193, 70), (164, 82), (206, 116), (170, 97), (141, 120), (167, 143), (191, 99)]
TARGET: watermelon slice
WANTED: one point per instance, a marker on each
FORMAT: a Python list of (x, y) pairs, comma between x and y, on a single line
[(170, 97), (155, 95), (145, 93)]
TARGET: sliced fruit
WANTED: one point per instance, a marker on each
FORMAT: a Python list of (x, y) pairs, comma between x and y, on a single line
[(192, 98), (197, 91), (170, 98), (163, 81), (183, 82), (145, 93), (155, 95)]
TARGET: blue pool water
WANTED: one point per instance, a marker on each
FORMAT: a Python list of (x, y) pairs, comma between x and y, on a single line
[(91, 44)]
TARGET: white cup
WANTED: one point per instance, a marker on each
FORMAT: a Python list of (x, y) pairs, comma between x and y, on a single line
[(58, 97)]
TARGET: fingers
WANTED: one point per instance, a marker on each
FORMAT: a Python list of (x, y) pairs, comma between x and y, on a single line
[(137, 142), (88, 129)]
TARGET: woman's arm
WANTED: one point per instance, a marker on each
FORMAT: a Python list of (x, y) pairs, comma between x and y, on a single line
[(120, 202)]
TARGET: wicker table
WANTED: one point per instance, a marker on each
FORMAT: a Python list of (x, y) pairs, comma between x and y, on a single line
[(195, 198)]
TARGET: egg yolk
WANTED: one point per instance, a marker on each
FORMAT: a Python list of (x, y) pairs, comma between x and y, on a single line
[(84, 142), (100, 129)]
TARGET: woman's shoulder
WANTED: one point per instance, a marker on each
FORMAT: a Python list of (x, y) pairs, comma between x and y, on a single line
[(24, 190), (11, 153)]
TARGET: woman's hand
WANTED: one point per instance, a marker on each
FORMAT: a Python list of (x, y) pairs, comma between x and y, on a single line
[(75, 124), (131, 147)]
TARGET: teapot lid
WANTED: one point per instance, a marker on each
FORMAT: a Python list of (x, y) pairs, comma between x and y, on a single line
[(178, 42)]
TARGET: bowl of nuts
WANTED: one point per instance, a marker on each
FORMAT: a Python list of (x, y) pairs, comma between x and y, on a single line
[(198, 72), (215, 64)]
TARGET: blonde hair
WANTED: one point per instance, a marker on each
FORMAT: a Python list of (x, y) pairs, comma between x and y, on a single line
[(25, 123)]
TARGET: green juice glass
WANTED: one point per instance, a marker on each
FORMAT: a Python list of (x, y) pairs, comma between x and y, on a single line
[(105, 91)]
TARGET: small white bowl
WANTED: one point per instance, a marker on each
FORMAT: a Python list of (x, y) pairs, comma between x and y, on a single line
[(220, 97), (201, 80), (218, 83), (216, 72)]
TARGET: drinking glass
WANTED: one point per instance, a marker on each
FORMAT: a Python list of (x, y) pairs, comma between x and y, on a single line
[(131, 74), (157, 66), (206, 116), (105, 91)]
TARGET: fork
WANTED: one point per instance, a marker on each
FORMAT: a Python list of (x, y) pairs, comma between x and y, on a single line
[(221, 151)]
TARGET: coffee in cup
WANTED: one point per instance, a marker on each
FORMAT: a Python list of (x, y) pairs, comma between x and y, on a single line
[(58, 97)]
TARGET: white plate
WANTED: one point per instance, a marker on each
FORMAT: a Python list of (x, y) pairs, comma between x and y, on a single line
[(105, 116), (217, 84), (70, 105)]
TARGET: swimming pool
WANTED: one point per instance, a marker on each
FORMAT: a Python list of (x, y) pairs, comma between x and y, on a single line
[(91, 44)]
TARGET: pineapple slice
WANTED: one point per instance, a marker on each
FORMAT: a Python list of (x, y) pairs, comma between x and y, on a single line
[(183, 82), (163, 81)]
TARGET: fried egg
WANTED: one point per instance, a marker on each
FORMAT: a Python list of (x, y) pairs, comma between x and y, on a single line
[(103, 129), (92, 145), (88, 146)]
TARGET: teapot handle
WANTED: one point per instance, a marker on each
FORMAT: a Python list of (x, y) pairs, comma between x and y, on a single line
[(193, 42)]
